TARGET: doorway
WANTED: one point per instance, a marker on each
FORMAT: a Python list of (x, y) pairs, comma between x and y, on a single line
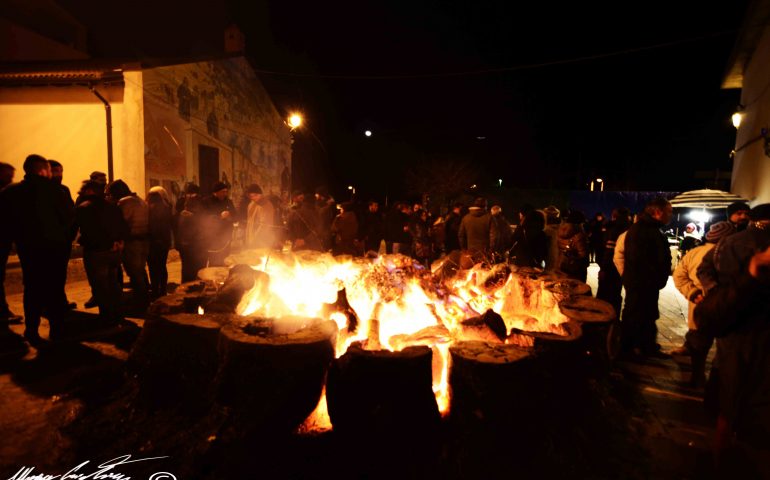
[(208, 167)]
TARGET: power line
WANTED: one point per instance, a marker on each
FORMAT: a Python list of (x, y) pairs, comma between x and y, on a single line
[(513, 68)]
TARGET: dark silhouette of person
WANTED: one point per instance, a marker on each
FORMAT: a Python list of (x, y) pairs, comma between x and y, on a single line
[(57, 176), (37, 219), (7, 172)]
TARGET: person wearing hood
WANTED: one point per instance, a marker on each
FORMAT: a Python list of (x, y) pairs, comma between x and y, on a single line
[(136, 247), (573, 246), (475, 228), (647, 266)]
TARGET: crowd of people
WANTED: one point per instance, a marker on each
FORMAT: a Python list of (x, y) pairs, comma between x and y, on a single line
[(725, 275)]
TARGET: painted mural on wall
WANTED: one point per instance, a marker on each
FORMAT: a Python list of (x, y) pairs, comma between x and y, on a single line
[(193, 108)]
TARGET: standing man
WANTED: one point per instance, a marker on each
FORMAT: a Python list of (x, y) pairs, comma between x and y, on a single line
[(475, 228), (6, 315), (219, 217), (136, 247), (452, 228), (646, 270), (610, 283), (57, 176), (260, 219), (36, 219), (372, 228)]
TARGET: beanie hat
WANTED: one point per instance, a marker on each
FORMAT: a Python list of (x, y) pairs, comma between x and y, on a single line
[(737, 207), (118, 189), (760, 212), (690, 227), (219, 186), (718, 231), (479, 203), (253, 188), (99, 177), (191, 188)]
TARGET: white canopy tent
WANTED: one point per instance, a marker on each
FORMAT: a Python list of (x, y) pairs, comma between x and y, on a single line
[(701, 200)]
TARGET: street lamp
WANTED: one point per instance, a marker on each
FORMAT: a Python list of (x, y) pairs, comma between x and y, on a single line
[(737, 116), (295, 120), (600, 183)]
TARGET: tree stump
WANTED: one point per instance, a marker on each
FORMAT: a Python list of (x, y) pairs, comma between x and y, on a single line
[(598, 320), (240, 280), (272, 371), (564, 288), (175, 359), (186, 299), (382, 394), (492, 386)]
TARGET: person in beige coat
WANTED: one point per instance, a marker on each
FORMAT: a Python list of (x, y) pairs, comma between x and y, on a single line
[(260, 213), (686, 281)]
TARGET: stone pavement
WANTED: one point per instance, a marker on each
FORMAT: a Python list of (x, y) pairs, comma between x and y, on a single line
[(42, 391)]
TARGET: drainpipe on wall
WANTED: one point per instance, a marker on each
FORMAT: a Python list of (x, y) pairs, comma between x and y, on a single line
[(108, 111)]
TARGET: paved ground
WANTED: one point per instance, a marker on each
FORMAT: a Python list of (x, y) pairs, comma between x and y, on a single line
[(41, 391)]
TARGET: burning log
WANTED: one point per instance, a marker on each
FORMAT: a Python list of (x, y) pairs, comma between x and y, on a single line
[(383, 394), (240, 279), (343, 306), (599, 324), (562, 347), (186, 299), (489, 327), (175, 358), (272, 371), (491, 384)]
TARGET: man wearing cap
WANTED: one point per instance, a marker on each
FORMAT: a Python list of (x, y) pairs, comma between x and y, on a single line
[(738, 215), (218, 223), (686, 280)]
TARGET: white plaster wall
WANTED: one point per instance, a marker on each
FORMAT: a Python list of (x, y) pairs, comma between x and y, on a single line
[(751, 169)]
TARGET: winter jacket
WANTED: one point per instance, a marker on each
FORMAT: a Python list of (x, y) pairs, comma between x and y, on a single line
[(137, 216), (345, 231), (260, 224), (686, 278), (647, 255), (573, 249), (303, 227), (160, 224), (500, 234), (619, 256), (101, 224), (397, 227), (530, 245), (452, 232), (34, 213), (474, 231)]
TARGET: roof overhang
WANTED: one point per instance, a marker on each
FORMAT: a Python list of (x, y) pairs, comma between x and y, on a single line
[(83, 72), (754, 23)]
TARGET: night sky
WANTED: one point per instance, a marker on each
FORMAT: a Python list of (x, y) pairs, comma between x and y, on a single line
[(539, 95)]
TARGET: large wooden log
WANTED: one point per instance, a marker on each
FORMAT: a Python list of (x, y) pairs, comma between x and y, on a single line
[(214, 275), (186, 299), (175, 359), (240, 280), (492, 385), (383, 394), (272, 371), (600, 327), (489, 327)]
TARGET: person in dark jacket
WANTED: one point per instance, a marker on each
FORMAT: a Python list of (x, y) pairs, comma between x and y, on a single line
[(219, 215), (35, 217), (372, 227), (103, 232), (159, 232), (738, 215), (7, 172), (303, 224), (530, 244), (397, 237), (500, 234), (327, 212), (345, 231), (474, 230), (737, 312), (419, 230), (57, 177), (190, 238), (452, 228), (573, 246), (646, 270), (610, 283), (596, 229)]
